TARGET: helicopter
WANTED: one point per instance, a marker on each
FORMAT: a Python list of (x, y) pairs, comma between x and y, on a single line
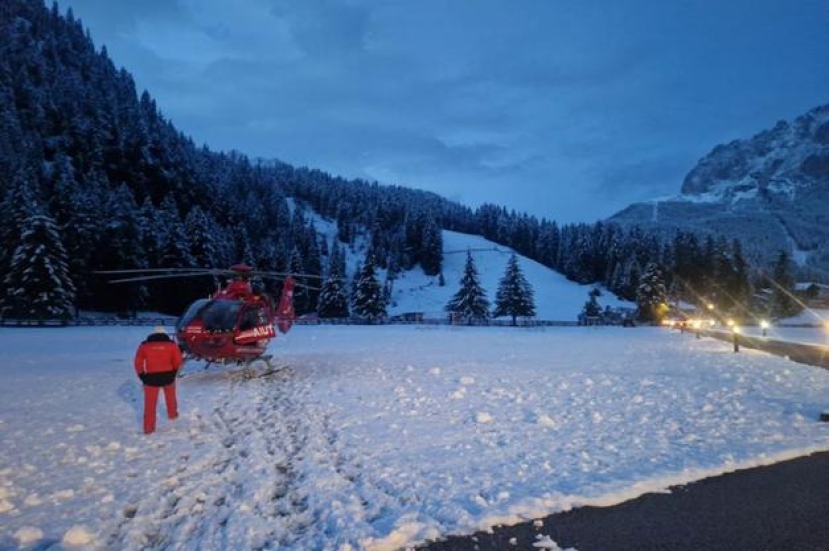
[(236, 322)]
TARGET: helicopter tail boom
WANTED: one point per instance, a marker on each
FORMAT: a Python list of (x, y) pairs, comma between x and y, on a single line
[(285, 313)]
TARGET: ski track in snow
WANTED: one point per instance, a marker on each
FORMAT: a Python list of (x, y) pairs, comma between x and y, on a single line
[(249, 490)]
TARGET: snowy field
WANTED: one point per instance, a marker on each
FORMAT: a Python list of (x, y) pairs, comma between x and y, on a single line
[(378, 438)]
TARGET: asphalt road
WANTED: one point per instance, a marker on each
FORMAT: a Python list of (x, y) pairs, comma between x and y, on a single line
[(782, 507)]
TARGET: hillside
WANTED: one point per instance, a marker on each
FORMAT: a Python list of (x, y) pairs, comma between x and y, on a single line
[(556, 298), (770, 191)]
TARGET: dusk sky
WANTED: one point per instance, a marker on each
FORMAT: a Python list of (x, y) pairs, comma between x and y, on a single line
[(565, 109)]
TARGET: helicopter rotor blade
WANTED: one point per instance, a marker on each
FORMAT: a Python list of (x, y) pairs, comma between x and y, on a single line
[(310, 288), (155, 270), (164, 273), (160, 276), (284, 275)]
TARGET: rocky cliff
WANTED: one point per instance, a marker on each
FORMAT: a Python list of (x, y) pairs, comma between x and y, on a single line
[(770, 191)]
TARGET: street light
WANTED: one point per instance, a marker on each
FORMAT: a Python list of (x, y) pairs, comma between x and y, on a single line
[(765, 325)]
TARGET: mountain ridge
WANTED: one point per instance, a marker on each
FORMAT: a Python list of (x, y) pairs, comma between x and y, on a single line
[(770, 191)]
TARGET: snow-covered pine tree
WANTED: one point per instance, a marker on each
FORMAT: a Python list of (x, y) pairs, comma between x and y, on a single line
[(431, 255), (336, 260), (80, 220), (470, 303), (738, 285), (38, 285), (651, 294), (369, 300), (17, 205), (201, 229), (333, 296), (515, 294), (783, 303), (312, 261), (333, 300), (591, 307), (302, 299)]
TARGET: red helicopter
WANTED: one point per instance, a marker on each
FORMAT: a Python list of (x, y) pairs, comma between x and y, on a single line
[(236, 323)]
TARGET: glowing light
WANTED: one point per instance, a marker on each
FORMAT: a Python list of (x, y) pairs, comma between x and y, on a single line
[(764, 324)]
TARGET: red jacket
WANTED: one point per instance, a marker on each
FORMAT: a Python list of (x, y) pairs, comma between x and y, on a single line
[(157, 355)]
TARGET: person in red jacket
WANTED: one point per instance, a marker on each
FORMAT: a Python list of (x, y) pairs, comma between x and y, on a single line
[(157, 361)]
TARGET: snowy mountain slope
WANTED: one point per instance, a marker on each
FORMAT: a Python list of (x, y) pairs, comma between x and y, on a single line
[(771, 191), (556, 298), (377, 438)]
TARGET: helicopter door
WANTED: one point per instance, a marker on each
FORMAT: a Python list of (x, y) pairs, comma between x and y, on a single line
[(254, 325)]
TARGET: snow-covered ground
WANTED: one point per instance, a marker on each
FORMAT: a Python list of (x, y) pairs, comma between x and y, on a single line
[(377, 438)]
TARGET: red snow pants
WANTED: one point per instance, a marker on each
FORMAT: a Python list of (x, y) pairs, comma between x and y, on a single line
[(151, 400)]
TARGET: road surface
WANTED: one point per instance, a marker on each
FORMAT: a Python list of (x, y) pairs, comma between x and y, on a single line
[(782, 507)]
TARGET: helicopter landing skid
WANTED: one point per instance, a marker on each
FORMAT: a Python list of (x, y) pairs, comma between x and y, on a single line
[(251, 372)]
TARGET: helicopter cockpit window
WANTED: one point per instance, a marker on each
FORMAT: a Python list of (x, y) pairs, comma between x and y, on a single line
[(220, 315), (191, 313)]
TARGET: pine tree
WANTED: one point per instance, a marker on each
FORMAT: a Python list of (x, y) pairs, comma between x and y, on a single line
[(333, 300), (515, 295), (470, 303), (739, 286), (783, 303), (38, 284), (369, 300), (651, 295), (333, 296), (201, 230), (431, 255), (302, 298), (336, 260), (592, 309)]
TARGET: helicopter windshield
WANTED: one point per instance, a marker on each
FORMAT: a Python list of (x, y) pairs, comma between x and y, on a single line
[(220, 315), (191, 313)]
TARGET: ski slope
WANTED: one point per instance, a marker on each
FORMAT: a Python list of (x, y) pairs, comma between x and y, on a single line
[(378, 438), (556, 298)]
